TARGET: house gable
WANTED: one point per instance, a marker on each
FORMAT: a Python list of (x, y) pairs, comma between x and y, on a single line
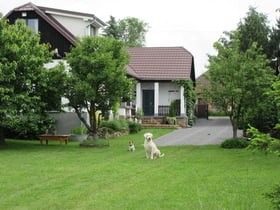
[(161, 63), (52, 24)]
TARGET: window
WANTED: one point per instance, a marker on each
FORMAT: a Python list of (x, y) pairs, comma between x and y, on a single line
[(33, 24)]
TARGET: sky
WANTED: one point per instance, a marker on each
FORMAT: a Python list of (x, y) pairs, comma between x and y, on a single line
[(192, 24)]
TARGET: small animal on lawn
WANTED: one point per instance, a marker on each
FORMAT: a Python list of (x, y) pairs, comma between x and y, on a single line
[(150, 147), (131, 146)]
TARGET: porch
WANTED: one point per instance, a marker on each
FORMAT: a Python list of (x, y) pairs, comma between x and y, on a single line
[(155, 98)]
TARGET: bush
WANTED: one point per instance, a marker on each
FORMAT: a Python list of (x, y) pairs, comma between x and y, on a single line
[(235, 143), (263, 141), (79, 130), (216, 113), (28, 127), (115, 125), (134, 127), (121, 126), (274, 196)]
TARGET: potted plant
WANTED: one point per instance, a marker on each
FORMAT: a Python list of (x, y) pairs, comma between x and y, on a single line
[(78, 134)]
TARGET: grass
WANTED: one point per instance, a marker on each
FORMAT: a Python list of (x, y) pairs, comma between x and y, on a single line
[(55, 176)]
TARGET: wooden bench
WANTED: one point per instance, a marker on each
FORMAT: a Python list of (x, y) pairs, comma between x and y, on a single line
[(48, 137)]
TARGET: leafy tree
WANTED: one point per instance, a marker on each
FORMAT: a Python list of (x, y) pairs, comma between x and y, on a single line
[(254, 28), (238, 80), (97, 78), (23, 80), (274, 45), (130, 30), (51, 87)]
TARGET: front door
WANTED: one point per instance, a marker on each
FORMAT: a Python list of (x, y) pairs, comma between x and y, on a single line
[(148, 102)]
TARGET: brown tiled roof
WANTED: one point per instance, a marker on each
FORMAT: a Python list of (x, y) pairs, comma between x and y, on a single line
[(202, 82), (160, 63)]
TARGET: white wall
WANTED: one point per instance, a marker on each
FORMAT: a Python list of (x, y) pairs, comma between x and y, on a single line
[(167, 93), (77, 26)]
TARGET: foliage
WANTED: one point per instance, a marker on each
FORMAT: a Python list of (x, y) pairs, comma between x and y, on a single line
[(24, 82), (275, 132), (97, 78), (174, 105), (274, 44), (139, 113), (52, 84), (121, 126), (216, 113), (274, 94), (234, 143), (115, 125), (190, 96), (79, 130), (29, 126), (134, 127), (262, 141), (254, 28), (238, 81), (274, 196), (115, 110), (171, 120), (129, 30)]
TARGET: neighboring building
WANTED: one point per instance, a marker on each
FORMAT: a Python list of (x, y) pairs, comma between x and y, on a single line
[(57, 27), (154, 68)]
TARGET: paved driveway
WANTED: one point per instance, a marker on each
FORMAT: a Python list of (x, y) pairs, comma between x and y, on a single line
[(212, 131)]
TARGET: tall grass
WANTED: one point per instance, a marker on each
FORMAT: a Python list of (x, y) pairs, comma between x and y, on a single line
[(55, 176)]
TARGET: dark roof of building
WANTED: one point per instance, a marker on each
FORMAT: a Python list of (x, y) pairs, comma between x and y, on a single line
[(43, 13), (202, 81), (160, 63)]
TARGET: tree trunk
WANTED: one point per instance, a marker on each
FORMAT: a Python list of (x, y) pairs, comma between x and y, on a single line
[(234, 131), (234, 126), (2, 137)]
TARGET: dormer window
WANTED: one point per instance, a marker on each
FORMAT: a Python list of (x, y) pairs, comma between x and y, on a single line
[(91, 30)]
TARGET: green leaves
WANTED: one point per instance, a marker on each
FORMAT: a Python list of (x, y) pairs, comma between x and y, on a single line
[(97, 77), (25, 85), (129, 30)]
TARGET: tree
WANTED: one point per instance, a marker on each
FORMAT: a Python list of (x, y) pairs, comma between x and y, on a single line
[(130, 30), (97, 78), (274, 45), (254, 28), (238, 80), (22, 60)]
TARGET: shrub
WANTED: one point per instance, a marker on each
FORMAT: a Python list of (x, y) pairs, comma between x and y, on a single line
[(235, 143), (216, 113), (274, 196), (134, 127), (79, 130), (115, 125), (28, 127), (263, 141)]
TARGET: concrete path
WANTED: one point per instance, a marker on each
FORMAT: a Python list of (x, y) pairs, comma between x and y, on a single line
[(212, 131)]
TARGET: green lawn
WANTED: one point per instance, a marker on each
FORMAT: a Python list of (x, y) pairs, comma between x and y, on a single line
[(55, 176)]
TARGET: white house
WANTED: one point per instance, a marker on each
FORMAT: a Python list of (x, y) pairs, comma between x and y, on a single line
[(154, 68)]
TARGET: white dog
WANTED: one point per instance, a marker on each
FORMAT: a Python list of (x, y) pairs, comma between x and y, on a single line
[(150, 148)]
